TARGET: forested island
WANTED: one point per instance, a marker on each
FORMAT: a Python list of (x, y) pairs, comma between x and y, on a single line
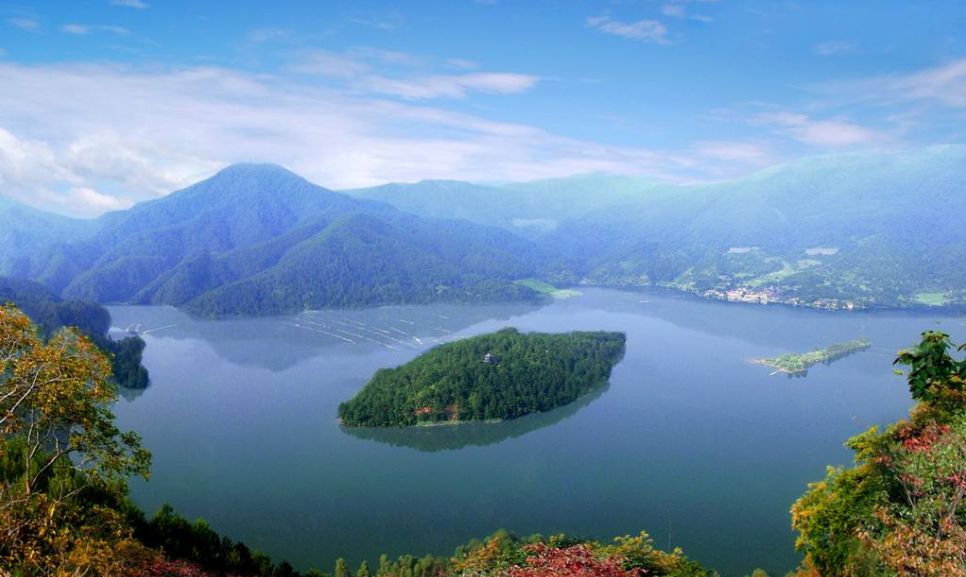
[(797, 364), (496, 376)]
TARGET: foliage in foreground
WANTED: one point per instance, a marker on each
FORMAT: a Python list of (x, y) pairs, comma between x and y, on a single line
[(900, 510), (63, 462)]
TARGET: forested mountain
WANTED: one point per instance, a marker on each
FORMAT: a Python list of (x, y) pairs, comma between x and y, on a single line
[(49, 312), (826, 231), (258, 239), (502, 375), (833, 231)]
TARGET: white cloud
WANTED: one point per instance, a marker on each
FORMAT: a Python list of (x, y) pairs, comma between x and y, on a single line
[(119, 30), (833, 47), (642, 30), (26, 24), (748, 153), (327, 63), (266, 34), (451, 86), (84, 29), (673, 9), (702, 18), (131, 4), (461, 63), (944, 85), (137, 133), (356, 67), (75, 29), (390, 23), (824, 133), (88, 201)]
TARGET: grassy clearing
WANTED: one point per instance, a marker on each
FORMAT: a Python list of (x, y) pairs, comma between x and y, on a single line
[(930, 299), (548, 289), (773, 277)]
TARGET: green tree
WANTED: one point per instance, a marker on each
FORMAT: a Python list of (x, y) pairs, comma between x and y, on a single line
[(931, 367), (363, 570), (341, 569)]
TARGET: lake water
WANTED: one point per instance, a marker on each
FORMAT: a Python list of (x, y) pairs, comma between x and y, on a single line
[(690, 441)]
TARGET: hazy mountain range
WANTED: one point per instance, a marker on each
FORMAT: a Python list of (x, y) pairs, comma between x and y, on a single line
[(877, 229)]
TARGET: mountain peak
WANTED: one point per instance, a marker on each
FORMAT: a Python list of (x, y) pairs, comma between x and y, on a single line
[(252, 178), (255, 169)]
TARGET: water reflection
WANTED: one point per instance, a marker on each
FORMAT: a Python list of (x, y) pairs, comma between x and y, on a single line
[(453, 437), (297, 338)]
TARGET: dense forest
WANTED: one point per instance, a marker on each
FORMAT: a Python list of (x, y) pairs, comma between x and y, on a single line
[(51, 313), (502, 375), (64, 508)]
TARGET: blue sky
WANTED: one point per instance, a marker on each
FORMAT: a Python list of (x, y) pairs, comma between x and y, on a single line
[(104, 103)]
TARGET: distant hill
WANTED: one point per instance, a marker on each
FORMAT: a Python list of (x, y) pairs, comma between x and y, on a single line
[(258, 239), (50, 313), (876, 229)]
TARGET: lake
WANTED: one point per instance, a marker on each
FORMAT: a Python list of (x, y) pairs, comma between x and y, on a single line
[(690, 441)]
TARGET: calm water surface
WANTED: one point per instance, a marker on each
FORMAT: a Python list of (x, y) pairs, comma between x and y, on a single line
[(690, 441)]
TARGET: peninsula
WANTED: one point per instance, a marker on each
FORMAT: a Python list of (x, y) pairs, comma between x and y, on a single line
[(490, 377), (797, 364)]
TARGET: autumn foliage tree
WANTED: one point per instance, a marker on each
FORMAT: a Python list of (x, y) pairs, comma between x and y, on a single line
[(63, 461), (504, 555)]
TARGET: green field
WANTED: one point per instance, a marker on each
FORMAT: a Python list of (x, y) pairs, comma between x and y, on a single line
[(930, 299), (548, 289)]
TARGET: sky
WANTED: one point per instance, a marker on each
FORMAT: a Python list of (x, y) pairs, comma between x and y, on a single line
[(104, 103)]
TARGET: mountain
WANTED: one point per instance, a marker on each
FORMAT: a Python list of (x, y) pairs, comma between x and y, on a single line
[(49, 312), (25, 229), (876, 228), (529, 208), (258, 239)]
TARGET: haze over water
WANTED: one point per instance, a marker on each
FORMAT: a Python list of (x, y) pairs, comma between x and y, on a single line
[(690, 441)]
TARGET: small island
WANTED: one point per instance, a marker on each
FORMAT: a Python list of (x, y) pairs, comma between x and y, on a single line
[(798, 364), (490, 377)]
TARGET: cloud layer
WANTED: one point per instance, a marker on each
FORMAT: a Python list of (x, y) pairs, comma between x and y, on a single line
[(129, 134), (347, 119)]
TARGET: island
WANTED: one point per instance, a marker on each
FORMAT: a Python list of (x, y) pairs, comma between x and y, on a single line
[(489, 377), (797, 364)]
